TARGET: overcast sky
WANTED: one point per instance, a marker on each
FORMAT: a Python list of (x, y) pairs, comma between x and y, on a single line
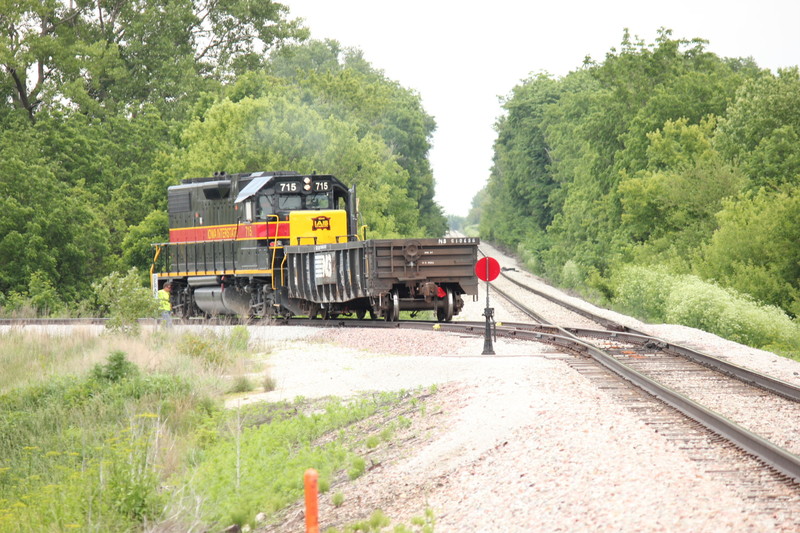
[(460, 56)]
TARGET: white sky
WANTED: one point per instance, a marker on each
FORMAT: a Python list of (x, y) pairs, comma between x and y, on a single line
[(460, 56)]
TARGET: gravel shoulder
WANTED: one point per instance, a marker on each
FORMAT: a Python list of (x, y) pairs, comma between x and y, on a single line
[(513, 442), (518, 441)]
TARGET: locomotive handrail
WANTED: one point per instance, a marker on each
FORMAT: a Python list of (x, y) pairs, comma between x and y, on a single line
[(274, 248), (153, 266), (305, 237)]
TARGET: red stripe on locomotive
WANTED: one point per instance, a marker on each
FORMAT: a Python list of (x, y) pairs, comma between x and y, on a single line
[(261, 230)]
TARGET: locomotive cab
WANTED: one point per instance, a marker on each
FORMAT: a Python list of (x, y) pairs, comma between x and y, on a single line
[(316, 208)]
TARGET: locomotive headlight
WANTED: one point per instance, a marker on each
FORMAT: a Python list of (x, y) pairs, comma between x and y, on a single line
[(307, 187), (306, 180)]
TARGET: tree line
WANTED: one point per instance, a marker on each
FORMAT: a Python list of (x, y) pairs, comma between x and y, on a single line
[(664, 156), (103, 105)]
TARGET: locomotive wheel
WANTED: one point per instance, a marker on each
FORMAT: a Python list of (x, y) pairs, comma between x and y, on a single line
[(393, 313), (183, 305), (445, 307)]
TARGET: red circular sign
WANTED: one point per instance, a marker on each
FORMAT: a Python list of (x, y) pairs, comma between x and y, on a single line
[(487, 269)]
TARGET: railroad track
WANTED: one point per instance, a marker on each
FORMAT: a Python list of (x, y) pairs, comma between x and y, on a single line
[(702, 388)]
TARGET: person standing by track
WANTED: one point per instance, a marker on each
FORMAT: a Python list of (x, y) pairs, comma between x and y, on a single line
[(164, 304)]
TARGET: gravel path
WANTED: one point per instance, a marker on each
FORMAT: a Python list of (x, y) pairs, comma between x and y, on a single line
[(520, 441)]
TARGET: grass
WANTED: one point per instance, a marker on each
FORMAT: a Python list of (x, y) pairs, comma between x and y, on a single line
[(114, 433), (656, 295), (378, 522)]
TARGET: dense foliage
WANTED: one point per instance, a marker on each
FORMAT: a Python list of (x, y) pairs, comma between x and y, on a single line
[(663, 154), (103, 105)]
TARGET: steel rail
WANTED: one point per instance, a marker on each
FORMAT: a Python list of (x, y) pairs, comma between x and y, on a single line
[(53, 321), (770, 454), (631, 336), (605, 322)]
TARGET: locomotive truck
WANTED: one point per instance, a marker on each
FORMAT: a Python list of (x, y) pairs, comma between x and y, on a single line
[(282, 244)]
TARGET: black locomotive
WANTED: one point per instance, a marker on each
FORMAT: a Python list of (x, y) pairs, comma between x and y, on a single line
[(280, 244)]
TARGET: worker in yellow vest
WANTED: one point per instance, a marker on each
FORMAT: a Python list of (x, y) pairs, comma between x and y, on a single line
[(164, 305)]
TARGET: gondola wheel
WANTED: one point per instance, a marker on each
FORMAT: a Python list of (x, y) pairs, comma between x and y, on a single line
[(445, 307), (393, 313)]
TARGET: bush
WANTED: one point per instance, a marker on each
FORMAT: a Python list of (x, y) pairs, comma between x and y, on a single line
[(241, 384), (260, 465), (117, 368), (655, 295), (84, 453), (239, 339), (572, 275), (269, 383), (125, 301), (212, 350), (725, 312), (642, 291)]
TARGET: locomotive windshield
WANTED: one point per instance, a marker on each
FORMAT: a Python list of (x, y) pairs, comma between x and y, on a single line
[(289, 202), (264, 207), (318, 201), (292, 202)]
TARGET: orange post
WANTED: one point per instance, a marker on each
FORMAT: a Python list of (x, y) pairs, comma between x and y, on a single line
[(312, 512)]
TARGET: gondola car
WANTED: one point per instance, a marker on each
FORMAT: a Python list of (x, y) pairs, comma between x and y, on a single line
[(281, 244)]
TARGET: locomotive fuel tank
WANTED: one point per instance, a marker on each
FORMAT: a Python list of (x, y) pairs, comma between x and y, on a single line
[(214, 298)]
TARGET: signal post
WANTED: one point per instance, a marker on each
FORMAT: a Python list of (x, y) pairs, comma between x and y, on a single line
[(487, 269)]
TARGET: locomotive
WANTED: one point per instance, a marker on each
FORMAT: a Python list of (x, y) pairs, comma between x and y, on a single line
[(282, 244)]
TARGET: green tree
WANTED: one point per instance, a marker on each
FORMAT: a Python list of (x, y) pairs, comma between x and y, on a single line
[(766, 110), (137, 246), (574, 157), (755, 250), (46, 227), (98, 55), (671, 204), (340, 82), (278, 132), (123, 300)]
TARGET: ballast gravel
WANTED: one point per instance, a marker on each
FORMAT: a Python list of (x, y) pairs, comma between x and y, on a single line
[(517, 441)]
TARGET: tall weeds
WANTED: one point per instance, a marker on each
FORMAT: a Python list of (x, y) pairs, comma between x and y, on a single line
[(128, 434), (655, 295)]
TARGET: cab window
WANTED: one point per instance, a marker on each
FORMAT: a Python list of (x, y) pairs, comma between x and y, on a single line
[(263, 208), (318, 201), (289, 202)]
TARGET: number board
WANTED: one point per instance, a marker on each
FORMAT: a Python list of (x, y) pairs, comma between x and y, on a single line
[(289, 187), (320, 186), (302, 186)]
